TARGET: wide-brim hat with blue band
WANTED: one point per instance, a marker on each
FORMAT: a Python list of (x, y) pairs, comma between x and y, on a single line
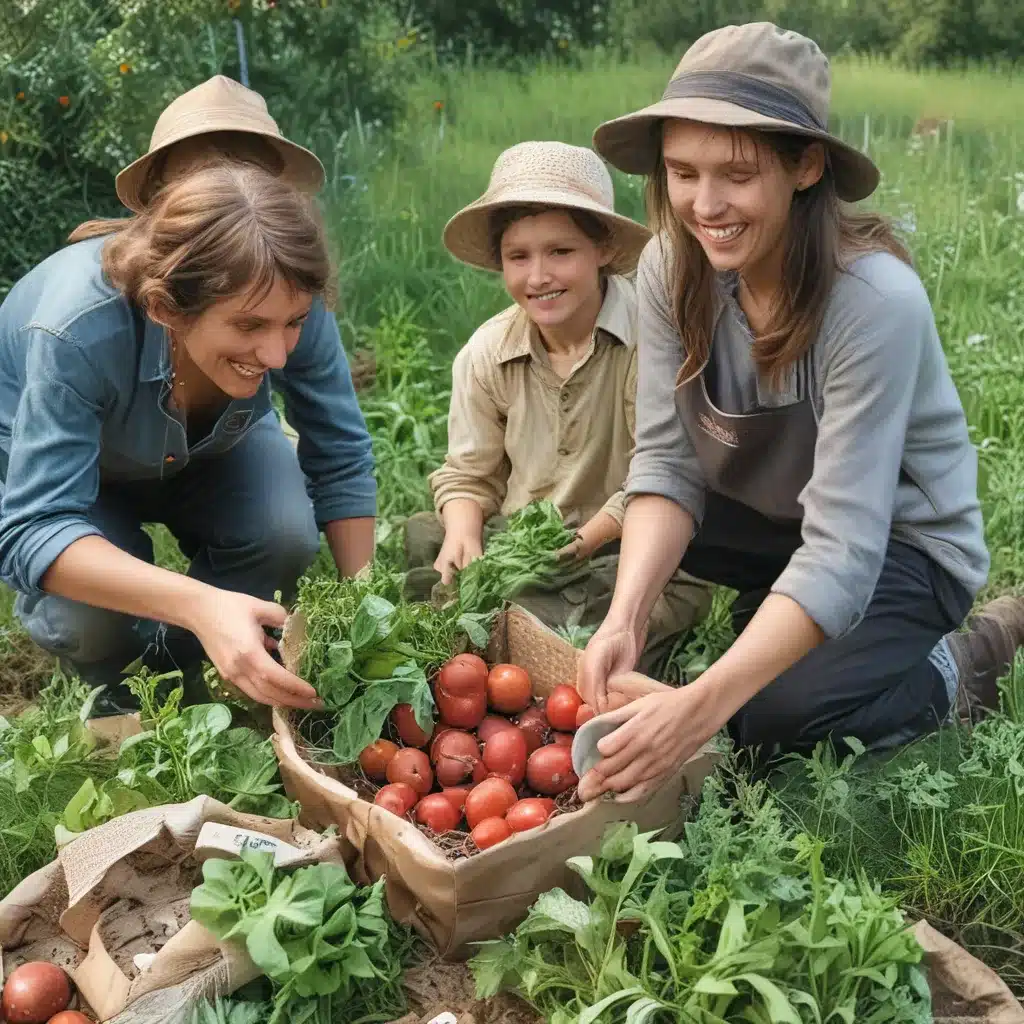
[(743, 76)]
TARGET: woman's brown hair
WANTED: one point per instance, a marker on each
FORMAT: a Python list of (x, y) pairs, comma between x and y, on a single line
[(824, 237), (212, 233)]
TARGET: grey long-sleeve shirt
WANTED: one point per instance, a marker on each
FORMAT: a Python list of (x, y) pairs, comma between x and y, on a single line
[(893, 457)]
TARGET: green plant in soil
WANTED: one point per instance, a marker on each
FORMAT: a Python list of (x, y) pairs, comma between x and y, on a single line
[(738, 920), (180, 753), (940, 824), (46, 754)]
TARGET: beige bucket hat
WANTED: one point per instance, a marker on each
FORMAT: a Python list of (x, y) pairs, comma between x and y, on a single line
[(220, 104), (544, 174), (750, 76)]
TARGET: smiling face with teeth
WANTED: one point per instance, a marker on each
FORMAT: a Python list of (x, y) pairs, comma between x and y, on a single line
[(734, 195), (235, 341), (552, 269)]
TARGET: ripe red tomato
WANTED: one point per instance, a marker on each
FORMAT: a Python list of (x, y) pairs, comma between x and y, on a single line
[(34, 992), (409, 732), (509, 689), (397, 797), (456, 796), (529, 813), (461, 712), (412, 767), (464, 676), (490, 832), (492, 724), (549, 770), (505, 755), (490, 799), (374, 760), (437, 813), (584, 715), (534, 723), (562, 706), (456, 755)]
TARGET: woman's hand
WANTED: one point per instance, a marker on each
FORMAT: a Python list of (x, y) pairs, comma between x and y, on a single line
[(612, 651), (230, 625), (457, 551), (658, 734)]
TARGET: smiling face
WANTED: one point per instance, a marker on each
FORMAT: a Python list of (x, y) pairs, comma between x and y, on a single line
[(236, 340), (734, 194), (552, 269)]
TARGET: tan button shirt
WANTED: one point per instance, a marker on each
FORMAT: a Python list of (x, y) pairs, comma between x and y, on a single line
[(518, 432)]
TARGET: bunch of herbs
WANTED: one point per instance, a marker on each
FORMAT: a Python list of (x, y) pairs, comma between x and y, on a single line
[(521, 555), (366, 651), (181, 753)]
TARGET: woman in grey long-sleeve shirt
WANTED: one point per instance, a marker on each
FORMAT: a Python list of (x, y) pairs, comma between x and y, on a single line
[(799, 438)]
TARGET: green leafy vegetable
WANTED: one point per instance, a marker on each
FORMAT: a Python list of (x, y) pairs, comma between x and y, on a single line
[(324, 943), (520, 556), (367, 651), (737, 921)]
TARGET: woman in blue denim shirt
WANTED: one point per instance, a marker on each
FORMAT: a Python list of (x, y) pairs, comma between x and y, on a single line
[(135, 372)]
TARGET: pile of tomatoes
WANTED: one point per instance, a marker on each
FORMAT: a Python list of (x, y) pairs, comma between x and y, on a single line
[(495, 761)]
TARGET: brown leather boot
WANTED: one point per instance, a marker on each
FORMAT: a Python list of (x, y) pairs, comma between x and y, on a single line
[(983, 655)]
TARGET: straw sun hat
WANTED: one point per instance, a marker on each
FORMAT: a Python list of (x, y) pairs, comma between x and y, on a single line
[(547, 174), (749, 76), (219, 104)]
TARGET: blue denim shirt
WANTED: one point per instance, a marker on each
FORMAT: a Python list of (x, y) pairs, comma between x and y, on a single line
[(84, 381)]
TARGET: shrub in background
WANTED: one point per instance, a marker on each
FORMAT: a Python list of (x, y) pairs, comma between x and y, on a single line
[(83, 81)]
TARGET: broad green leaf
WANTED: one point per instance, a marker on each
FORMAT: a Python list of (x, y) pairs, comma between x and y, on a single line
[(265, 949), (558, 907), (710, 985), (372, 621), (477, 632), (493, 966), (780, 1009), (74, 813)]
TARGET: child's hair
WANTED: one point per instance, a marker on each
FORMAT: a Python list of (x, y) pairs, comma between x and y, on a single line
[(504, 217), (217, 231)]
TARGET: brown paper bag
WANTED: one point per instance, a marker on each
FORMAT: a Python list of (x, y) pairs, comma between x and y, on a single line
[(113, 910), (964, 990), (455, 902)]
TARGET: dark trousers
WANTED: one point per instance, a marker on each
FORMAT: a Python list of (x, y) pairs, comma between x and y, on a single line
[(876, 683)]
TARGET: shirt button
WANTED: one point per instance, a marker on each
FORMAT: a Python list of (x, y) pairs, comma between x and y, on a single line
[(169, 458), (563, 451), (565, 398)]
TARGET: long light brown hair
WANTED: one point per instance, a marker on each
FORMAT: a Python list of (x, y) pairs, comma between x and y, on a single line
[(823, 237), (225, 229)]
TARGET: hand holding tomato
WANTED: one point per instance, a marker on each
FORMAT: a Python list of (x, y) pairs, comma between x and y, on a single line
[(613, 650)]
